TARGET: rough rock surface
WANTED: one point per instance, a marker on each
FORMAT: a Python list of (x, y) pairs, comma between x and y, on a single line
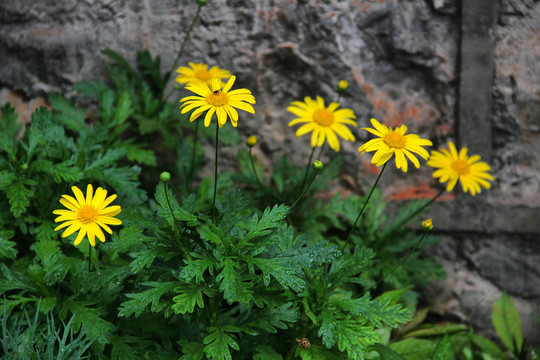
[(402, 60)]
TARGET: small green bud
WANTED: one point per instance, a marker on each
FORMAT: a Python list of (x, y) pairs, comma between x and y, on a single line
[(342, 86), (427, 225), (317, 165), (201, 2), (251, 141), (165, 176), (24, 166)]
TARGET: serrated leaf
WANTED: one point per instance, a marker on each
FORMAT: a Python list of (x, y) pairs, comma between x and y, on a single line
[(105, 159), (7, 247), (231, 285), (328, 329), (387, 353), (96, 328), (190, 296), (143, 258), (287, 276), (123, 109), (64, 171), (266, 353), (316, 352), (444, 350), (9, 123), (142, 156), (167, 203), (271, 320), (196, 269), (507, 323), (121, 350), (376, 312), (140, 301), (355, 338), (270, 219), (192, 351), (19, 196), (208, 234), (66, 112), (218, 343)]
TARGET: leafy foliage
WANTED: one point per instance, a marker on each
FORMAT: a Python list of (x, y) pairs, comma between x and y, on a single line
[(181, 279)]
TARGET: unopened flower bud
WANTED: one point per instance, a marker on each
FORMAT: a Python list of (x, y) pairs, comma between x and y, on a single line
[(251, 141), (317, 165), (165, 176), (427, 225), (201, 2), (342, 86)]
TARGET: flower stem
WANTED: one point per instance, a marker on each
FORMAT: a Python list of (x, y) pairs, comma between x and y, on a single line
[(89, 256), (398, 265), (178, 240), (193, 152), (308, 166), (215, 173), (190, 29), (304, 191), (406, 220), (253, 169), (364, 206)]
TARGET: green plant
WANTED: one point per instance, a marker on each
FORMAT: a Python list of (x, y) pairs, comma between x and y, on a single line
[(418, 340)]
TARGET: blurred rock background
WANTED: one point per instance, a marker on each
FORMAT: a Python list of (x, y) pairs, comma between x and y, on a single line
[(464, 71)]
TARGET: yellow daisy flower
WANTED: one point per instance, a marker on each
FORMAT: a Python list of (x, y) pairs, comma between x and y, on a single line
[(86, 215), (453, 166), (325, 122), (199, 73), (394, 141), (215, 99)]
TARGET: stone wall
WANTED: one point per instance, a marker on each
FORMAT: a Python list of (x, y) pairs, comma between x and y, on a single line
[(408, 62)]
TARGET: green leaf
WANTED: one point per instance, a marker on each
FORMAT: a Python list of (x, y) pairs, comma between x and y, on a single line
[(138, 154), (271, 320), (123, 109), (64, 171), (265, 352), (144, 258), (444, 350), (435, 329), (355, 338), (96, 328), (414, 349), (231, 284), (196, 269), (121, 350), (66, 112), (141, 300), (287, 276), (316, 352), (192, 351), (19, 195), (190, 295), (9, 123), (167, 201), (270, 219), (487, 346), (218, 343), (507, 323), (7, 247), (387, 353)]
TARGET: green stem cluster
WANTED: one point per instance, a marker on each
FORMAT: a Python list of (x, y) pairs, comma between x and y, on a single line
[(363, 207)]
